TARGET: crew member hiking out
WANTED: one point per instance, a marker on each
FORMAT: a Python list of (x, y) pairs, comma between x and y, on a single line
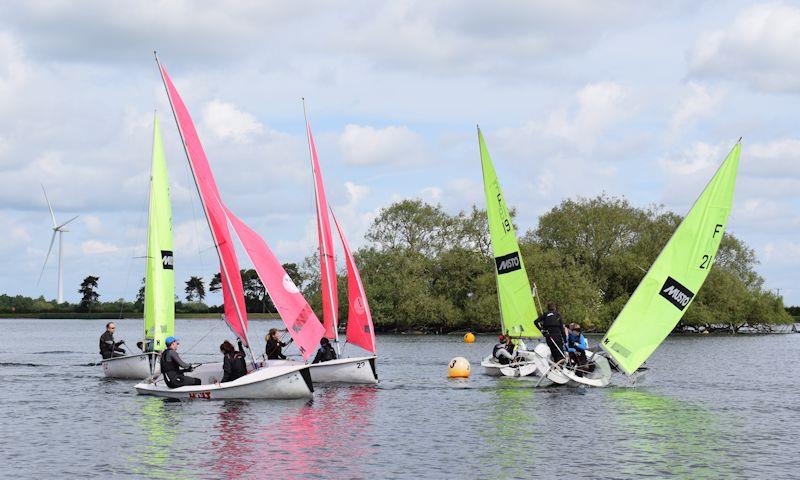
[(503, 350), (552, 327), (325, 352), (173, 367), (108, 347)]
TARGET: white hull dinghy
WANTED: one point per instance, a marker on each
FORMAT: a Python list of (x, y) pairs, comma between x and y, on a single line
[(358, 370), (599, 377), (522, 368), (546, 367), (135, 367), (286, 382)]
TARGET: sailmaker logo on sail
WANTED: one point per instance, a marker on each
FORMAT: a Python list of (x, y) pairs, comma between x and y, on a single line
[(166, 259), (508, 263), (676, 293)]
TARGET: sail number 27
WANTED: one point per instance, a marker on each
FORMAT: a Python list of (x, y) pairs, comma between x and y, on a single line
[(706, 263)]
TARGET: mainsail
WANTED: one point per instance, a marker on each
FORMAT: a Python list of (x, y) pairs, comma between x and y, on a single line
[(667, 290), (517, 310), (327, 263), (232, 289), (159, 287), (360, 330), (297, 315)]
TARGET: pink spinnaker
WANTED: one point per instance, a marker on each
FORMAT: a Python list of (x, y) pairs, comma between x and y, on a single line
[(297, 315), (232, 289), (360, 330), (327, 264)]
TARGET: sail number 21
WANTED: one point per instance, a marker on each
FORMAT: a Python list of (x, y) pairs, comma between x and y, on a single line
[(706, 263)]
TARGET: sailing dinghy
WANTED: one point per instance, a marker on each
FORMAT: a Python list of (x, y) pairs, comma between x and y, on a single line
[(262, 381), (360, 331), (668, 288), (159, 287), (517, 308)]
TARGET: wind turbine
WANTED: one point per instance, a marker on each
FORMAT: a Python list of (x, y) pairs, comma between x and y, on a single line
[(59, 229)]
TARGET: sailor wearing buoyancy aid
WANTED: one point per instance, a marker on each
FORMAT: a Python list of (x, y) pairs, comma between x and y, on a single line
[(552, 327), (503, 350)]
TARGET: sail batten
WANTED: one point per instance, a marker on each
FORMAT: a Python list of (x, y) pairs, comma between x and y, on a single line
[(159, 302), (676, 276), (232, 288), (517, 309)]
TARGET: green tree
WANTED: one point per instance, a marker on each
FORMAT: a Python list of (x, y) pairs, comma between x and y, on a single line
[(89, 295), (195, 289)]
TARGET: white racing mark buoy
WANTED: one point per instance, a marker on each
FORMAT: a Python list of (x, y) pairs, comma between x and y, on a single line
[(458, 368)]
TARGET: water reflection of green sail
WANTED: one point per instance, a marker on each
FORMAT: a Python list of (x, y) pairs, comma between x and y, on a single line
[(154, 458), (670, 437), (510, 412)]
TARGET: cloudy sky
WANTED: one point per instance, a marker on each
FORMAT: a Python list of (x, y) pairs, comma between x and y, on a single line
[(640, 99)]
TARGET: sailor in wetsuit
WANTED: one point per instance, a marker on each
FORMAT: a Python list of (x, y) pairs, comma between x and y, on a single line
[(577, 346), (233, 362), (108, 347), (173, 367), (274, 345), (552, 327), (503, 351), (325, 352)]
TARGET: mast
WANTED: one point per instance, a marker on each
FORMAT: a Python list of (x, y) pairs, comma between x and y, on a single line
[(328, 287), (225, 272)]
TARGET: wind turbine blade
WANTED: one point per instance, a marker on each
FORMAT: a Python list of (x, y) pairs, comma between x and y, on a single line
[(46, 257), (52, 215), (65, 223)]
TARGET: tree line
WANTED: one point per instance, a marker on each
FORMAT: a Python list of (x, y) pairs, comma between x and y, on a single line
[(430, 271)]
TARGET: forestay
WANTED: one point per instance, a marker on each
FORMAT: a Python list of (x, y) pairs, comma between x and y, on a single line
[(517, 310), (674, 279), (159, 301)]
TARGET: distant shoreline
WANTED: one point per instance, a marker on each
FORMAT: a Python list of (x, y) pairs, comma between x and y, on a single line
[(124, 315)]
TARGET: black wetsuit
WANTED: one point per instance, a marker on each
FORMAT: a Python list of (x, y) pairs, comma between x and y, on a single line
[(234, 365), (108, 347), (552, 327), (273, 349), (325, 353), (503, 359), (173, 367)]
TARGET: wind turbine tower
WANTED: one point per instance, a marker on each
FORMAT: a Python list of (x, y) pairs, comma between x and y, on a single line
[(57, 229)]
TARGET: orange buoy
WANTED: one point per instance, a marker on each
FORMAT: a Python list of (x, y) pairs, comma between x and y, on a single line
[(458, 368), (469, 338)]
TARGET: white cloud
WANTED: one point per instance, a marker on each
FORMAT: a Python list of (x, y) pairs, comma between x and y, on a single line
[(699, 102), (695, 161), (226, 122), (96, 247), (782, 252), (93, 224), (759, 48), (365, 145), (778, 158)]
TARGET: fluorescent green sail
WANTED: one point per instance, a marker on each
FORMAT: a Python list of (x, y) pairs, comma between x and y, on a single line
[(667, 290), (517, 310), (159, 301)]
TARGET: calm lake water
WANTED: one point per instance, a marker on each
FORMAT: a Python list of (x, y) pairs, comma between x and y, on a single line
[(710, 407)]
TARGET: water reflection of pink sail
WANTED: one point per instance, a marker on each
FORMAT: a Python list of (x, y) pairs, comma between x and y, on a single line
[(329, 437), (237, 453)]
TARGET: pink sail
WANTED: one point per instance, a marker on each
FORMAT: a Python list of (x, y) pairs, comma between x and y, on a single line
[(328, 285), (360, 330), (232, 289), (297, 315)]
